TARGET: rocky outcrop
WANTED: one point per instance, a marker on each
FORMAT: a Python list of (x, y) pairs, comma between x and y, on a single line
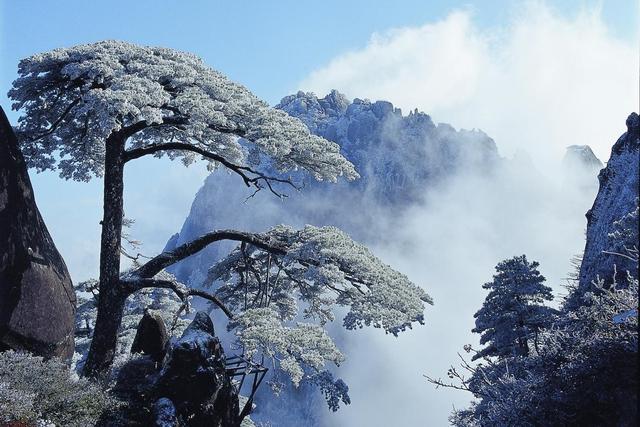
[(37, 301), (164, 413), (191, 387), (151, 336), (194, 377), (617, 197)]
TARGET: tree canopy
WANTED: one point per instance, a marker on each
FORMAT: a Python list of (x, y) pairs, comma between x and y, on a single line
[(165, 102), (90, 109), (280, 288)]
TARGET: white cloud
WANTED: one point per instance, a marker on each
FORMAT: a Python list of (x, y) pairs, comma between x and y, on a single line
[(537, 84), (540, 83)]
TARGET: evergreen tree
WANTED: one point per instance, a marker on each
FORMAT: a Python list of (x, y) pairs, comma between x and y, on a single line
[(512, 313), (90, 110)]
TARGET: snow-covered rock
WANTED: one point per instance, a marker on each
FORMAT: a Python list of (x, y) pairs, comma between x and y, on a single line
[(164, 413), (616, 198), (398, 157)]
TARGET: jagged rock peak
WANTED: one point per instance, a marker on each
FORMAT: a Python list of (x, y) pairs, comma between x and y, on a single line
[(313, 110), (633, 125), (617, 197), (631, 138), (335, 104), (318, 113), (582, 155)]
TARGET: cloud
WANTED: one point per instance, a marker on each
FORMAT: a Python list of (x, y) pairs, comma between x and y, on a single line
[(450, 245), (539, 83)]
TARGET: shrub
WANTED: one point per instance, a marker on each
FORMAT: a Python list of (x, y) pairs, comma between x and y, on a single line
[(34, 391)]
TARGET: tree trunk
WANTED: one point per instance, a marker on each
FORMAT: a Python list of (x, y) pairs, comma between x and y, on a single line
[(112, 296)]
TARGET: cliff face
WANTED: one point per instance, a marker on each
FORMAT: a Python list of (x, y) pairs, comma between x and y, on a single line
[(37, 301), (395, 155), (617, 197), (398, 157)]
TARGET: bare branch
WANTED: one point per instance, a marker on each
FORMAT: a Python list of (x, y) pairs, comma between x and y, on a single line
[(168, 258), (181, 291), (250, 176)]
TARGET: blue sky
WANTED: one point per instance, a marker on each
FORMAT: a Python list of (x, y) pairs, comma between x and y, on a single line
[(268, 46)]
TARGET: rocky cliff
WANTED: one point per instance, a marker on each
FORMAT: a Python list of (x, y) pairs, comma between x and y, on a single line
[(398, 157), (37, 301), (617, 197)]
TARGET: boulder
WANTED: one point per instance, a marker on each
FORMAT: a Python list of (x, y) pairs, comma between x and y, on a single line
[(37, 301), (194, 377), (194, 368), (151, 336)]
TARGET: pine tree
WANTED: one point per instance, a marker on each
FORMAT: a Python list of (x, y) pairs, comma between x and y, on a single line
[(513, 313), (90, 110)]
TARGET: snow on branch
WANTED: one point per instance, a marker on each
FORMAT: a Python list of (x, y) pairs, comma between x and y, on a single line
[(74, 98), (261, 283), (178, 288), (167, 258), (324, 268)]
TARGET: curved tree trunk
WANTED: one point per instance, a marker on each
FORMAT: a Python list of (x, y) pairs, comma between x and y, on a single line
[(112, 296)]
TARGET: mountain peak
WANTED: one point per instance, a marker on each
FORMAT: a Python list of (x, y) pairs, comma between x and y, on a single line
[(581, 156), (633, 124)]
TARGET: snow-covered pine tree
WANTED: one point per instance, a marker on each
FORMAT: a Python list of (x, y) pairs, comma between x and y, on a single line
[(513, 313), (319, 269), (91, 109)]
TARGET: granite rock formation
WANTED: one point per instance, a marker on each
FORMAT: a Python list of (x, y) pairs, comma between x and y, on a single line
[(151, 336), (37, 300), (617, 198)]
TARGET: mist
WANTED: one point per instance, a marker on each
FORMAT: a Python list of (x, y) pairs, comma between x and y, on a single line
[(448, 242), (536, 84), (450, 245)]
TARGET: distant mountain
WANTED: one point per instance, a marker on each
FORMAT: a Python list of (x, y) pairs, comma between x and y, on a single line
[(396, 155), (399, 157), (581, 156), (581, 166)]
